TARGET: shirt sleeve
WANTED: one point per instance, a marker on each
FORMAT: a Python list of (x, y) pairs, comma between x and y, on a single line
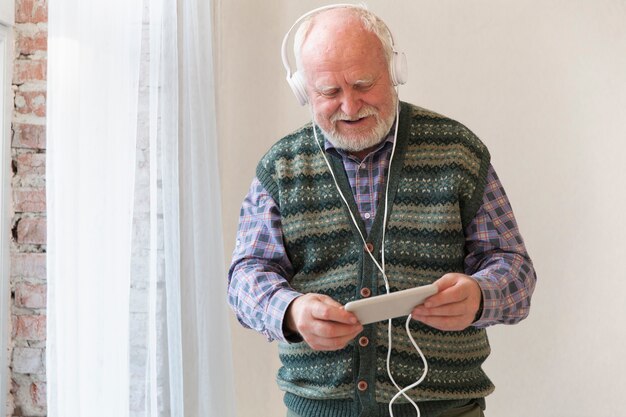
[(497, 259), (258, 279)]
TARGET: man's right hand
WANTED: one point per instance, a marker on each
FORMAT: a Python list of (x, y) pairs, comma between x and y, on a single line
[(322, 322)]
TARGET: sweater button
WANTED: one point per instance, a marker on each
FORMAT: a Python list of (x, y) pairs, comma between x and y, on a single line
[(365, 292), (362, 386), (364, 341), (369, 247)]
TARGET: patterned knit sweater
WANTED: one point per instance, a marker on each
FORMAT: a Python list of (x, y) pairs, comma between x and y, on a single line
[(437, 179)]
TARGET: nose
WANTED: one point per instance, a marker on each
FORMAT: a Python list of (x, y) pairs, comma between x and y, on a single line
[(351, 103)]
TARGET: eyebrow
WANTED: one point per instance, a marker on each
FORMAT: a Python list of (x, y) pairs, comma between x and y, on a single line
[(358, 83), (326, 88), (365, 81)]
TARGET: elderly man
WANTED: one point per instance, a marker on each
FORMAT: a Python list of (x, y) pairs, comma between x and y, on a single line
[(313, 236)]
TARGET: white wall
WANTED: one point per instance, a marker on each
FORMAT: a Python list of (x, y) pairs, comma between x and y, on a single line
[(543, 83)]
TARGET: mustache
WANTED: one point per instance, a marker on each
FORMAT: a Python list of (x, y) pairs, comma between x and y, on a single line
[(364, 112)]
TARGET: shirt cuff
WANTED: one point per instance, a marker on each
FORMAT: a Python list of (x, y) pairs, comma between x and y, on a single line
[(279, 304), (491, 311)]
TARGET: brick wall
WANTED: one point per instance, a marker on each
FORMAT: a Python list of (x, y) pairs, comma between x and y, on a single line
[(27, 396)]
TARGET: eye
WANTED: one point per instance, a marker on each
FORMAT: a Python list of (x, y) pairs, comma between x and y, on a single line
[(329, 92), (364, 87)]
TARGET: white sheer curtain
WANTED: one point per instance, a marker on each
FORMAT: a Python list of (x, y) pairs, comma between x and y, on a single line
[(202, 258), (137, 320)]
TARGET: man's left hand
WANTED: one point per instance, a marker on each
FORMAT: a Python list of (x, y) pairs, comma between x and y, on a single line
[(454, 307)]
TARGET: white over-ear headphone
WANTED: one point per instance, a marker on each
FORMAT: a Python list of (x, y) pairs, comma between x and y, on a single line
[(397, 67)]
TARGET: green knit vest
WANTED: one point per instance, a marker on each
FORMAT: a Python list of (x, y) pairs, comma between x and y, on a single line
[(437, 180)]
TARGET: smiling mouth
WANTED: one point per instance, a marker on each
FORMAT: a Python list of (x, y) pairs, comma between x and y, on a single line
[(355, 121)]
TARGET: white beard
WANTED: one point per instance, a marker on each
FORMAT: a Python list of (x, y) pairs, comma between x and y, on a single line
[(360, 141)]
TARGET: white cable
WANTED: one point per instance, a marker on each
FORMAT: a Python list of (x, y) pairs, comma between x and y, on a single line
[(416, 383), (381, 268)]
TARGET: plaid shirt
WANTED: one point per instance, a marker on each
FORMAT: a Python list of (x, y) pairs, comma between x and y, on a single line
[(259, 290)]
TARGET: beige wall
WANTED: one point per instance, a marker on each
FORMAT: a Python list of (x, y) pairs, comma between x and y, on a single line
[(543, 83)]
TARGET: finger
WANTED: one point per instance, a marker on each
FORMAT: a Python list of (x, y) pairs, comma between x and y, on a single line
[(328, 344), (451, 290), (447, 281), (332, 337), (334, 330), (446, 323), (451, 309), (329, 301), (330, 310), (449, 296)]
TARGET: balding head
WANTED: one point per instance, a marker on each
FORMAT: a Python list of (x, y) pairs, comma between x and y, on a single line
[(346, 75), (338, 21)]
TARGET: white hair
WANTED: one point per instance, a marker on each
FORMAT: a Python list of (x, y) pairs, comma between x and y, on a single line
[(369, 20)]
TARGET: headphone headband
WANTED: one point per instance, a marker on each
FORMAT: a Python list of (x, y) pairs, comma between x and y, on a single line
[(397, 66)]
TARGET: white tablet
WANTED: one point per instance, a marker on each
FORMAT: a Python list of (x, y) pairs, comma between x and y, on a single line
[(388, 306)]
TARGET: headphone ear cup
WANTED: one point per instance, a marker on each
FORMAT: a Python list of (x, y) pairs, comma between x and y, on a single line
[(399, 69), (296, 82)]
